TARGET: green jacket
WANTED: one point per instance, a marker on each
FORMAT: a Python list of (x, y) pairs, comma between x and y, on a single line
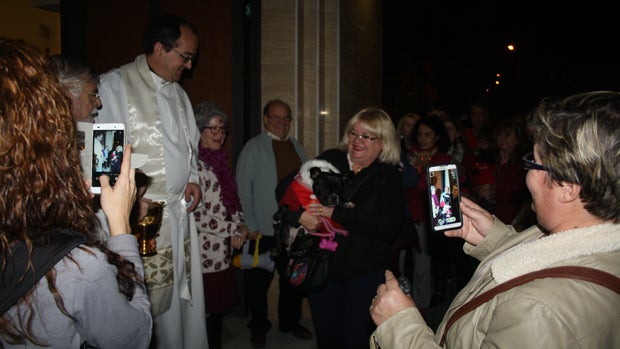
[(544, 313)]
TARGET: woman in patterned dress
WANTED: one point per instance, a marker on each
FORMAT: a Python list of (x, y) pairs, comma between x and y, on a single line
[(219, 220)]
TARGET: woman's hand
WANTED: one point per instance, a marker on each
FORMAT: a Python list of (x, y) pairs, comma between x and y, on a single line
[(237, 241), (309, 221), (389, 300), (317, 209), (477, 222), (117, 201), (89, 183)]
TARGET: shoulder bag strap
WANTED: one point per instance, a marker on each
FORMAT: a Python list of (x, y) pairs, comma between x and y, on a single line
[(371, 170), (583, 273), (17, 279)]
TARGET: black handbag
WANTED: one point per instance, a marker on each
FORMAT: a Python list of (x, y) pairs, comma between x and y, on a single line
[(308, 264)]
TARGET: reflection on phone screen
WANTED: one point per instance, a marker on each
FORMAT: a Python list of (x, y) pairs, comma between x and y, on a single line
[(107, 154), (444, 198)]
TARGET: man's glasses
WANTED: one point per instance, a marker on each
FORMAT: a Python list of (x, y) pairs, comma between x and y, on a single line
[(215, 129), (287, 118), (184, 58), (530, 164), (94, 94), (354, 135)]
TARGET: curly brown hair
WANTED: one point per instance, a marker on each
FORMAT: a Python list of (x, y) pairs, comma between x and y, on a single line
[(41, 184)]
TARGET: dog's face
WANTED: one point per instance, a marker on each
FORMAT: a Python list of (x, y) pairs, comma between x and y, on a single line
[(327, 186)]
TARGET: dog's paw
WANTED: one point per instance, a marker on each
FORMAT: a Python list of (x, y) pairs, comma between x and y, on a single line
[(348, 204)]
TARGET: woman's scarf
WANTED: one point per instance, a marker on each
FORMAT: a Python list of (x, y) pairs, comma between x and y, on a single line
[(218, 161)]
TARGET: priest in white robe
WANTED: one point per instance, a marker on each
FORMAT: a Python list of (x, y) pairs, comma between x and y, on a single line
[(146, 96)]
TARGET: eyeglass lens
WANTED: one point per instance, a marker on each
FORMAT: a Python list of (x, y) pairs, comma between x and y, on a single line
[(216, 129), (365, 137), (184, 58)]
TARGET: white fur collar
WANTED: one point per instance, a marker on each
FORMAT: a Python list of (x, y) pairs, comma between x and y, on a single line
[(304, 171), (542, 253)]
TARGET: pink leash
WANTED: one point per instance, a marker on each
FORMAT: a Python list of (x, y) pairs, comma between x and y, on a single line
[(327, 241)]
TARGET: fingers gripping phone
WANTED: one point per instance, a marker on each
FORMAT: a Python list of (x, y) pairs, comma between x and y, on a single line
[(444, 197), (108, 145)]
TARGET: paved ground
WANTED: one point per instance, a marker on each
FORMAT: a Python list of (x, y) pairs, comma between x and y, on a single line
[(236, 335)]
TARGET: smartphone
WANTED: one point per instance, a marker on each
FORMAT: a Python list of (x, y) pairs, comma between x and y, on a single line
[(444, 197), (108, 145)]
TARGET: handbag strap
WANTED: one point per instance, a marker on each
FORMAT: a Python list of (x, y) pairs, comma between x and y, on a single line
[(256, 251), (582, 273), (17, 278), (370, 171)]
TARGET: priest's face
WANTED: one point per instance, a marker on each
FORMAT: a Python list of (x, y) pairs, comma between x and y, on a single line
[(171, 64)]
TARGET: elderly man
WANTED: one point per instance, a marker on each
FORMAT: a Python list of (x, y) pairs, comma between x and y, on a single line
[(264, 161)]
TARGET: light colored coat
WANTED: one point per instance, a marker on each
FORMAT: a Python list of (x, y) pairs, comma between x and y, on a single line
[(544, 313), (257, 178)]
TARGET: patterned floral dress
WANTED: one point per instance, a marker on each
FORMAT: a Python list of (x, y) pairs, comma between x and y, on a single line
[(215, 228)]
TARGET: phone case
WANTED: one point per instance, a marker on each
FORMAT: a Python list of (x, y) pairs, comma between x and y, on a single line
[(106, 153), (444, 197)]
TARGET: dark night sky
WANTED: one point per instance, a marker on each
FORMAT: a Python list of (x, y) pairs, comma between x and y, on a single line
[(457, 48)]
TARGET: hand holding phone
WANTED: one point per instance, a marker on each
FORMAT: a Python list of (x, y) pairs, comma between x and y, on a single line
[(444, 197), (107, 153), (117, 201)]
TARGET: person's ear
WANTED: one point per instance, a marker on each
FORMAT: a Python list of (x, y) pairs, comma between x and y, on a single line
[(570, 192), (159, 48)]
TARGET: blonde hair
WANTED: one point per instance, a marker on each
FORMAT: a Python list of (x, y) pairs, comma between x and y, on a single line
[(377, 121)]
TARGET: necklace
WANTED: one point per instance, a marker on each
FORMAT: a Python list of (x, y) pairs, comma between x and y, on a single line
[(422, 158)]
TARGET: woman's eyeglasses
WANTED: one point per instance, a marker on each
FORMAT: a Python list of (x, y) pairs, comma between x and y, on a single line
[(354, 135), (215, 129), (530, 164)]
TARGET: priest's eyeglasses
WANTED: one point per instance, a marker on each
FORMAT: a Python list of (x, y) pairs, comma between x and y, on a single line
[(184, 58)]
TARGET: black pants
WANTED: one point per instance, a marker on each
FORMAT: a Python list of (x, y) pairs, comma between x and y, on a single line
[(257, 282), (340, 311)]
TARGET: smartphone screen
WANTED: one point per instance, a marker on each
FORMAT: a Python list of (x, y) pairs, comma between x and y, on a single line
[(444, 197), (108, 147)]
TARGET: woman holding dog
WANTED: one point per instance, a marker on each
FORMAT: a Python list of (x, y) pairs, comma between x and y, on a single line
[(372, 216)]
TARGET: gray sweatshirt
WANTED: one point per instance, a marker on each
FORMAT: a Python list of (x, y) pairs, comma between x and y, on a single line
[(103, 316)]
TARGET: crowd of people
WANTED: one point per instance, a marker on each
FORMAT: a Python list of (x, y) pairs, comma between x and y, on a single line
[(488, 155), (518, 208)]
